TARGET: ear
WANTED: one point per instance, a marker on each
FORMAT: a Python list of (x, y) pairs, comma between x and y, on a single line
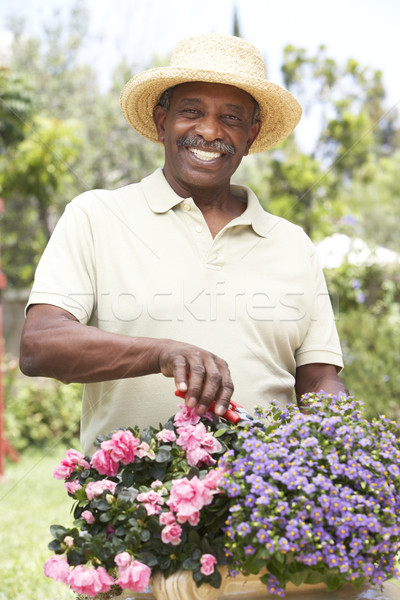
[(254, 131), (159, 116)]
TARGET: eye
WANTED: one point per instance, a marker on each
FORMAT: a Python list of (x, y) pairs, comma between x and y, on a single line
[(232, 119), (190, 112)]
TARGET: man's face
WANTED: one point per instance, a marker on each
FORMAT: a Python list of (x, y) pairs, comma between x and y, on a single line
[(206, 132)]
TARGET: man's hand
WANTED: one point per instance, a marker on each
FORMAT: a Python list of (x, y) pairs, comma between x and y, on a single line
[(315, 377), (55, 344), (202, 375)]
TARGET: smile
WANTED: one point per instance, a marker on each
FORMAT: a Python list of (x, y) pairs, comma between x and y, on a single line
[(204, 154)]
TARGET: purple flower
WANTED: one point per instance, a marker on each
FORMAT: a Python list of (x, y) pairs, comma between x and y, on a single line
[(249, 550), (360, 297), (243, 529)]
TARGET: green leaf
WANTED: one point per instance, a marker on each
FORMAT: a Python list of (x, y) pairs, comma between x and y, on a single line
[(194, 537), (148, 558), (127, 478), (193, 472), (165, 563), (333, 582), (198, 577), (190, 564), (163, 455), (105, 517), (255, 564), (101, 504), (54, 545), (145, 535), (220, 433), (58, 531)]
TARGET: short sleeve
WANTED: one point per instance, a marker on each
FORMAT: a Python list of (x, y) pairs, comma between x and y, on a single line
[(65, 276), (321, 343)]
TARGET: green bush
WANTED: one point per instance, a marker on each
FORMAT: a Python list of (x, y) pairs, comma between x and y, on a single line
[(370, 287), (40, 412), (366, 303), (371, 353)]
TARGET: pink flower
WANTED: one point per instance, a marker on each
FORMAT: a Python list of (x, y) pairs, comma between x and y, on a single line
[(166, 435), (186, 416), (96, 488), (123, 559), (151, 497), (57, 568), (145, 450), (212, 479), (199, 456), (207, 562), (152, 501), (122, 446), (156, 484), (103, 462), (120, 449), (72, 486), (69, 464), (187, 498), (166, 518), (211, 444), (88, 516), (171, 534), (134, 576), (191, 437), (89, 581)]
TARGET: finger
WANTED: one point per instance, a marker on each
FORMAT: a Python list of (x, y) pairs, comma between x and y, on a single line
[(222, 400), (211, 387), (180, 373), (197, 374)]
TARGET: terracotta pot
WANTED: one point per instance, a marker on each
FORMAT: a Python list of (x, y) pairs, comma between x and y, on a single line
[(116, 593), (180, 586)]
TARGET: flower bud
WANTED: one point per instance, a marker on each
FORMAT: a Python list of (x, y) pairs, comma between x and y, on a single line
[(69, 541)]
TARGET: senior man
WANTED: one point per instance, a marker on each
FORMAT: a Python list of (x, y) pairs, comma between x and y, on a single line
[(184, 275)]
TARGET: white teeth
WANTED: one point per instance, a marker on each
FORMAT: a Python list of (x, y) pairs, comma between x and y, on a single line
[(203, 155)]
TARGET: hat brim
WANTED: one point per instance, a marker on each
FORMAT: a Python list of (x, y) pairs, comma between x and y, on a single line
[(279, 110)]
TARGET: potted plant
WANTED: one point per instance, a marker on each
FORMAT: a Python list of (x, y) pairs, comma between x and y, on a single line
[(296, 497)]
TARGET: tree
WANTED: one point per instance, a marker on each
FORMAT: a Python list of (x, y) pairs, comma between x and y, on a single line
[(355, 133), (33, 177), (77, 140), (16, 107)]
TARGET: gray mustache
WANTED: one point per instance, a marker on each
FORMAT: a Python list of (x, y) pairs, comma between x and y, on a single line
[(198, 142)]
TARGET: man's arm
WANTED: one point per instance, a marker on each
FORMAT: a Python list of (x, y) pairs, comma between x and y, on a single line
[(55, 344), (316, 377)]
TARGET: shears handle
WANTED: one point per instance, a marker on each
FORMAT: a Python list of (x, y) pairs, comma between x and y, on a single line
[(230, 415)]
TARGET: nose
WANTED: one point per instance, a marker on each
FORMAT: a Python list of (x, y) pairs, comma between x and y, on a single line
[(209, 127)]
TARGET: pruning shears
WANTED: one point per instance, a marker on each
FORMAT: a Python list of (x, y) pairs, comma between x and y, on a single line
[(234, 414)]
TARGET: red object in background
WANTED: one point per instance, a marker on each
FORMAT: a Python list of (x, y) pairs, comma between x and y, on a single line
[(5, 447)]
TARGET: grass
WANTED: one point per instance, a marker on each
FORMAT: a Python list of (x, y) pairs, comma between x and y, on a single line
[(30, 501)]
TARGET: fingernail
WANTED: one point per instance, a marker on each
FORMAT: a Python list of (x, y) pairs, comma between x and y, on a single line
[(182, 386), (191, 402), (219, 411)]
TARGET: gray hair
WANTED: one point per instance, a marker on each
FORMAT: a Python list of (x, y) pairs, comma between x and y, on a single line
[(165, 102)]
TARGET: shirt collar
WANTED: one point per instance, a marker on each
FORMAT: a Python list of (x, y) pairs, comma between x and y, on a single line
[(161, 197)]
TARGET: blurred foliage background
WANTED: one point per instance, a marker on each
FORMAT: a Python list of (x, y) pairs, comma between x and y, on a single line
[(60, 134)]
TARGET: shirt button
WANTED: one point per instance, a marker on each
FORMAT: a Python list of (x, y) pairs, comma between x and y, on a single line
[(199, 229), (186, 206)]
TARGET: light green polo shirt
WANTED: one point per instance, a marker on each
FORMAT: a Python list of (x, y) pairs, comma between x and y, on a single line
[(141, 261)]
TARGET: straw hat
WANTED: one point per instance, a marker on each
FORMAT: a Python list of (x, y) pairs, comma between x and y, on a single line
[(213, 58)]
